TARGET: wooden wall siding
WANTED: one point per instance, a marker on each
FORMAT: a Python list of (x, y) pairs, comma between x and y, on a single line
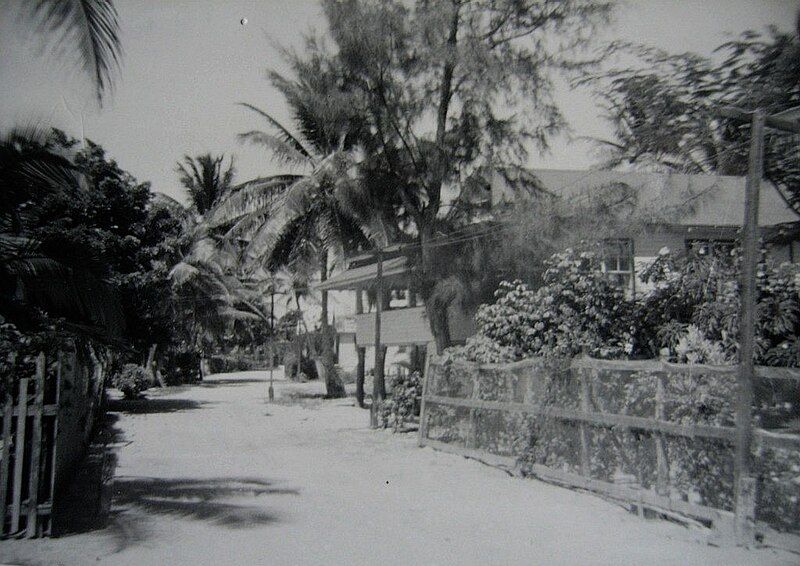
[(410, 326), (472, 409), (401, 326)]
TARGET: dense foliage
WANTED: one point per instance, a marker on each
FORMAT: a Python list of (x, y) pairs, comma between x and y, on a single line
[(403, 401), (664, 109), (688, 312)]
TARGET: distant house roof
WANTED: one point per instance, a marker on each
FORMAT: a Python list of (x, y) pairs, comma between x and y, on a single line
[(712, 200), (364, 275)]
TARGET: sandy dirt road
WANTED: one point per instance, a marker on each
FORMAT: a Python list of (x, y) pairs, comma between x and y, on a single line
[(212, 474)]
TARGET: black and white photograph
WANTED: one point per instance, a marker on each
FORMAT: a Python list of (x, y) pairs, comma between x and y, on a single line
[(399, 282)]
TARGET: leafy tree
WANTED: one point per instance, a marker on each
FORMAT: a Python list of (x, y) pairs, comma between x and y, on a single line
[(51, 265), (450, 93), (665, 111)]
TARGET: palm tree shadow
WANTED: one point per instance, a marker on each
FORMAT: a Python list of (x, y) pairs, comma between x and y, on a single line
[(137, 500), (153, 405), (198, 499)]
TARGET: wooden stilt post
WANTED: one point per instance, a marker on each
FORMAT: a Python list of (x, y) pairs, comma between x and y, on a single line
[(378, 383)]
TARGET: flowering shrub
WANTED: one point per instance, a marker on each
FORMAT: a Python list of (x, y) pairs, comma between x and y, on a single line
[(690, 314), (704, 292), (481, 349), (131, 380), (399, 406), (694, 348), (576, 310)]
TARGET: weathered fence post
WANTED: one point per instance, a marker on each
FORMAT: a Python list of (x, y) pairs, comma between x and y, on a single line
[(8, 415), (36, 447), (662, 467), (472, 432), (423, 414), (586, 470), (744, 483), (19, 453)]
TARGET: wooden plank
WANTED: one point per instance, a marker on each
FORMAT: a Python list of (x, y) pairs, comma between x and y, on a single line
[(36, 447), (8, 416), (776, 539), (472, 432), (582, 429), (777, 440), (597, 419), (623, 493), (696, 368), (423, 413), (506, 462), (624, 365), (629, 494), (47, 410), (19, 454), (54, 447), (789, 374)]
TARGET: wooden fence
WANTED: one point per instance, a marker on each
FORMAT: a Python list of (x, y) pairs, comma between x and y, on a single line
[(46, 421), (484, 411)]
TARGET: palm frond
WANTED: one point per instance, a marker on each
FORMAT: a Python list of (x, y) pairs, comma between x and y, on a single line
[(256, 197), (284, 134), (280, 151), (92, 27)]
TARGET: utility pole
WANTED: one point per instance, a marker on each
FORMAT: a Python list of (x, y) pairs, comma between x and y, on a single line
[(271, 390), (744, 483)]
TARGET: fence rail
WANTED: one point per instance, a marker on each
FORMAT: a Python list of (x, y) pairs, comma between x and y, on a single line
[(477, 410)]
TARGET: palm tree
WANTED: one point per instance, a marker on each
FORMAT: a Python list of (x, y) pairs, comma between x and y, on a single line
[(89, 27), (306, 221), (205, 180)]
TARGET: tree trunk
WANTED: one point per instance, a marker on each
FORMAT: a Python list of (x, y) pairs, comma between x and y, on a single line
[(334, 388), (152, 367), (436, 312)]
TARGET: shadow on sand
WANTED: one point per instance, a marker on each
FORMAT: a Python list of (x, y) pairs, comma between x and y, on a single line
[(228, 382), (126, 506), (152, 406), (138, 500)]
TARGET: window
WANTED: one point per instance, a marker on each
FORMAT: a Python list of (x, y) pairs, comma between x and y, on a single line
[(617, 261), (710, 247)]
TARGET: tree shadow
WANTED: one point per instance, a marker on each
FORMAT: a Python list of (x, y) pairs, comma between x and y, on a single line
[(82, 504), (228, 382), (198, 499), (152, 406)]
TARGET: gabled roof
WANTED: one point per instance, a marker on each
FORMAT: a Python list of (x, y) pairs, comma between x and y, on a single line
[(708, 200)]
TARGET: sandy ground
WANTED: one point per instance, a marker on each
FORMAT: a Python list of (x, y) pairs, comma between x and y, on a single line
[(212, 474)]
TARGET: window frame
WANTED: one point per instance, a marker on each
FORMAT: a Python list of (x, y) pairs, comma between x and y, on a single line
[(626, 248)]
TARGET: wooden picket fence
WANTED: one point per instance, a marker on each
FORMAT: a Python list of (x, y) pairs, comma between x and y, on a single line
[(27, 468), (471, 409), (46, 421)]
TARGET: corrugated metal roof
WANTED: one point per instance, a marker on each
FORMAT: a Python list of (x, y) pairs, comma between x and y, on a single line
[(716, 200)]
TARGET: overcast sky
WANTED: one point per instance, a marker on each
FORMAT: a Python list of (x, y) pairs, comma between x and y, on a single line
[(187, 63)]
